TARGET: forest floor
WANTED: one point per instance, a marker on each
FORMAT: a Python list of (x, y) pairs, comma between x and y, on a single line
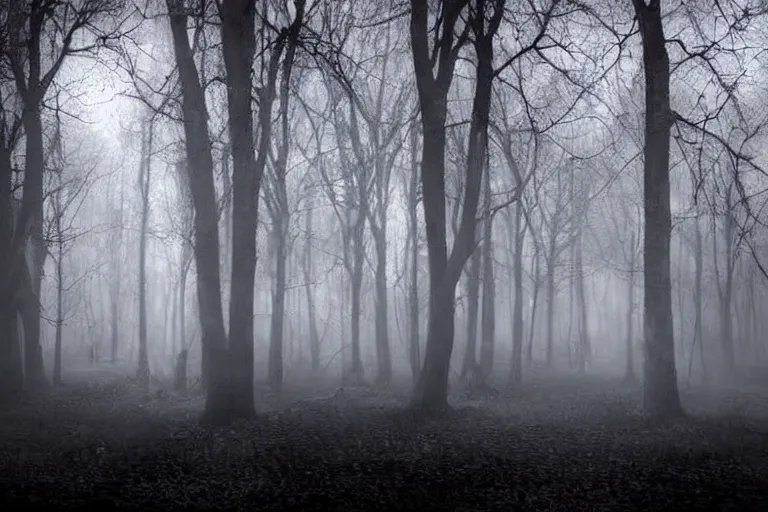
[(567, 443)]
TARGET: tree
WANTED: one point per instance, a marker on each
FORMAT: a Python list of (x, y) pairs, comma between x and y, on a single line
[(144, 181), (276, 194), (660, 391), (206, 245), (444, 270), (30, 25)]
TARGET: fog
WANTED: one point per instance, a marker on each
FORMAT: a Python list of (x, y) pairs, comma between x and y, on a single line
[(563, 195)]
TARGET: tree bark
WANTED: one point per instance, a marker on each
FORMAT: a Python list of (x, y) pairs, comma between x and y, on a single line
[(314, 338), (661, 396), (413, 285), (206, 246), (59, 291), (469, 366), (145, 175), (629, 369), (517, 314), (238, 46), (11, 364), (488, 319)]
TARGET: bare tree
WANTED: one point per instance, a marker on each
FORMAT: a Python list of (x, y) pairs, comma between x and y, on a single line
[(276, 195), (206, 245), (144, 182), (30, 26), (661, 394)]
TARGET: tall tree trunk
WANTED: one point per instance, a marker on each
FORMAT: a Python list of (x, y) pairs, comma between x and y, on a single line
[(59, 292), (661, 395), (278, 305), (414, 352), (629, 369), (116, 282), (431, 391), (33, 197), (488, 324), (280, 211), (726, 302), (145, 173), (357, 371), (11, 365), (536, 264), (550, 260), (238, 47), (584, 347), (469, 366), (517, 314), (206, 246), (383, 354), (314, 338)]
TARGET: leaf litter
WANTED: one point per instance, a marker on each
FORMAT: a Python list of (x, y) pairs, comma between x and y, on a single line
[(576, 445)]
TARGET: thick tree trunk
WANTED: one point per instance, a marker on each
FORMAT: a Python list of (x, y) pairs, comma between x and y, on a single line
[(206, 246), (661, 396), (238, 46), (517, 314), (11, 365), (34, 372), (33, 204)]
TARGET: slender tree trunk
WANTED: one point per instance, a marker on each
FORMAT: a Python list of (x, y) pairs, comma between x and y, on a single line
[(469, 366), (536, 263), (517, 314), (357, 372), (584, 346), (629, 371), (59, 294), (278, 307), (314, 338), (383, 354), (116, 283), (551, 306), (661, 396), (726, 303), (488, 325), (145, 173), (413, 285)]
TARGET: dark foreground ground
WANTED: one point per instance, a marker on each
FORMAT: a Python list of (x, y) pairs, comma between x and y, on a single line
[(566, 444)]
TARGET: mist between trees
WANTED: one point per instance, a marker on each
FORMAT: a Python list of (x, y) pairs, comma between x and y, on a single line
[(443, 192)]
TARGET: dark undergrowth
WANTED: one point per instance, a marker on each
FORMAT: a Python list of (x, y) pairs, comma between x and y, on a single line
[(563, 444)]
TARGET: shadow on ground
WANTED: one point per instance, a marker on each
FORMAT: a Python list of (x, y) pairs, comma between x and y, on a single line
[(557, 444)]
